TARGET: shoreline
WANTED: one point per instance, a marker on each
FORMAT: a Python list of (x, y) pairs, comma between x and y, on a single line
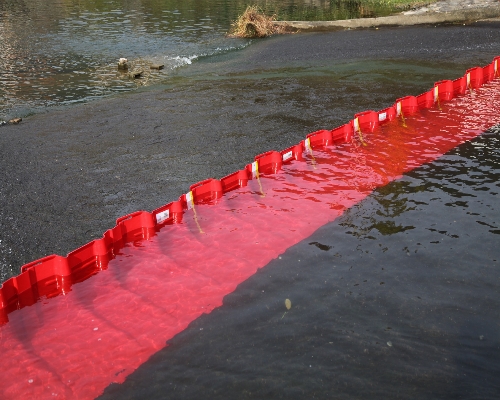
[(454, 13)]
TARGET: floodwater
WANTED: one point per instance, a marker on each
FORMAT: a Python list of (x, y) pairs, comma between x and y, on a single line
[(59, 52)]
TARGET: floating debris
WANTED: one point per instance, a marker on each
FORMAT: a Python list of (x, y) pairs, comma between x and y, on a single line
[(136, 74), (2, 123), (288, 304), (123, 64), (157, 66), (15, 121)]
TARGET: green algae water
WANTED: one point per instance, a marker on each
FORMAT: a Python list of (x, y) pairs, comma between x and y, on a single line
[(59, 52)]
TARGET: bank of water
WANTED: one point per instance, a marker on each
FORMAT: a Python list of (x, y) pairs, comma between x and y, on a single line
[(56, 53)]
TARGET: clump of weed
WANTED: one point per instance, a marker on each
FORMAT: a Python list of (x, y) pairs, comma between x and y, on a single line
[(253, 23)]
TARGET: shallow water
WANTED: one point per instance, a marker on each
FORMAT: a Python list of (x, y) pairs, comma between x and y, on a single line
[(63, 52)]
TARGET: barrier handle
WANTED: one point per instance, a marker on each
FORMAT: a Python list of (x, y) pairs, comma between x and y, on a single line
[(128, 216), (204, 182), (32, 264)]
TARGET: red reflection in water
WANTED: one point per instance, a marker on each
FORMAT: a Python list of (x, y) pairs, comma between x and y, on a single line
[(73, 346)]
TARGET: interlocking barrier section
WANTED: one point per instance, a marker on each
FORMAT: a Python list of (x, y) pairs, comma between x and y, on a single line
[(72, 325)]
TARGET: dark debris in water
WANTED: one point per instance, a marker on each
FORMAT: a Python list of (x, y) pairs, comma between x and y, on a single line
[(320, 246)]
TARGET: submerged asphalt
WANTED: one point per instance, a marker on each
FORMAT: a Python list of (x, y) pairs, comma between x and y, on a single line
[(68, 174)]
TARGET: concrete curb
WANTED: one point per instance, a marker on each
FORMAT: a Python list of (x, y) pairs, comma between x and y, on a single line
[(397, 20)]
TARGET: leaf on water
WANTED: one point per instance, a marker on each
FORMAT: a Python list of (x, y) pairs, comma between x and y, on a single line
[(288, 304)]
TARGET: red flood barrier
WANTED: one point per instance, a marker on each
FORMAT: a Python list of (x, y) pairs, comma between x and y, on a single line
[(489, 72), (170, 213), (426, 100), (47, 277), (235, 180), (320, 139), (474, 77), (343, 133), (207, 191), (386, 115), (269, 162), (204, 192), (293, 153), (460, 86), (136, 226), (406, 106), (444, 90), (366, 121), (90, 258)]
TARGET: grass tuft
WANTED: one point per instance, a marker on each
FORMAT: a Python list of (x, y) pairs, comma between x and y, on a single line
[(253, 23)]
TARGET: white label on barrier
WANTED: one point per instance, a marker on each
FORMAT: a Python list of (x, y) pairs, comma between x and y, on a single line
[(468, 79), (255, 169), (356, 125), (382, 116), (307, 145), (436, 93), (398, 108), (189, 200), (162, 216), (287, 155)]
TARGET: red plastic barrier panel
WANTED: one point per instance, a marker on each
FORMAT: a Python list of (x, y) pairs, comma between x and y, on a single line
[(366, 121), (406, 106), (496, 67), (443, 90), (47, 277), (204, 192), (426, 100), (293, 153), (89, 259), (207, 191), (170, 213), (474, 77), (460, 86), (343, 133), (235, 180), (489, 72), (386, 115), (269, 162), (320, 139), (9, 298), (4, 318), (136, 226)]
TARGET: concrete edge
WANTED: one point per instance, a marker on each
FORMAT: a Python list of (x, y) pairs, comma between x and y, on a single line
[(397, 20)]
